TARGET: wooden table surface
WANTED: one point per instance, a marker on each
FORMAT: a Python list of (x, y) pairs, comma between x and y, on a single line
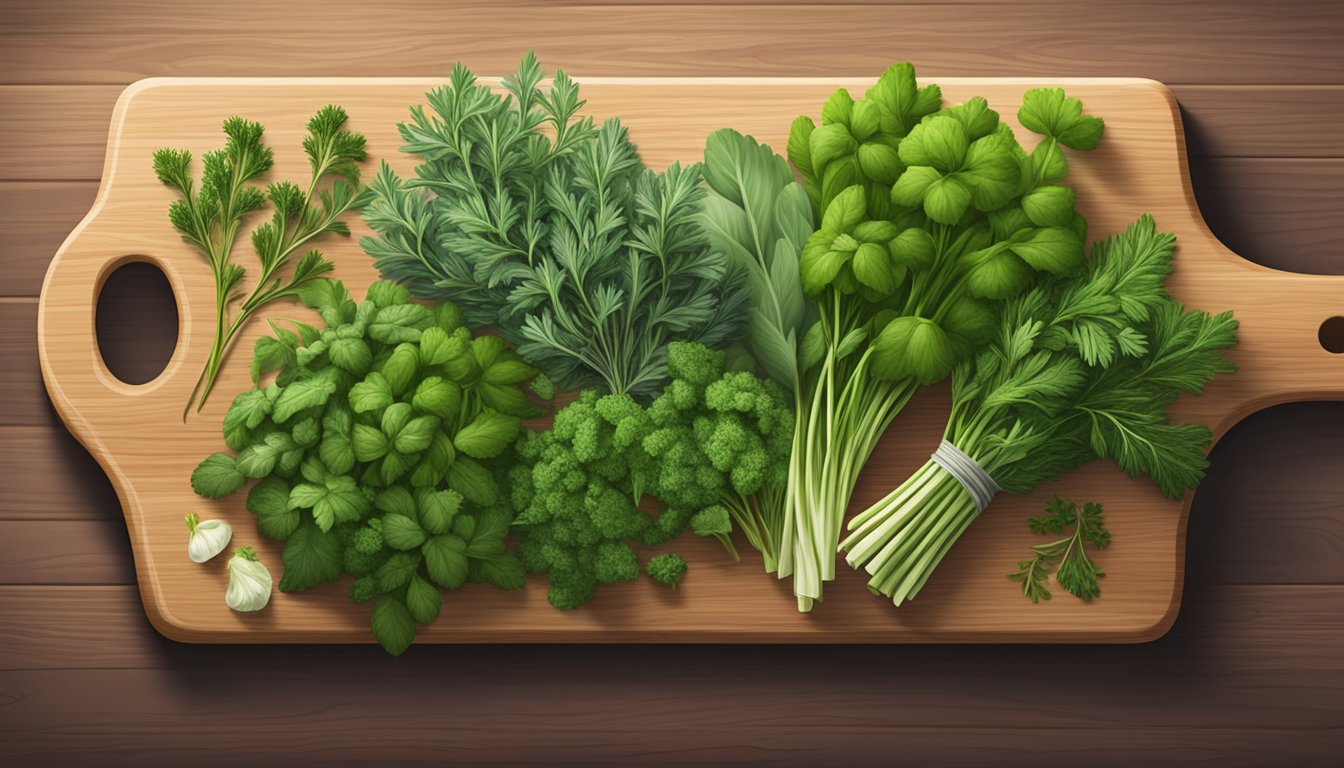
[(1253, 671)]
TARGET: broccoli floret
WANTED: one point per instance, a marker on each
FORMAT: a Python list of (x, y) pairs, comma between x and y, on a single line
[(667, 569), (364, 589), (615, 561)]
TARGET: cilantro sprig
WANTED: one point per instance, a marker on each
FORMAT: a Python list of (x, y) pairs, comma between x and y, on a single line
[(1073, 568), (211, 217), (1079, 368)]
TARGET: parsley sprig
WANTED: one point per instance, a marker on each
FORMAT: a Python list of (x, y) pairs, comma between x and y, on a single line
[(1080, 368), (211, 218), (1076, 572)]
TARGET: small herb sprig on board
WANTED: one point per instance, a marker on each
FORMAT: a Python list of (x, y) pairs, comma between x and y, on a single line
[(211, 217), (1076, 572)]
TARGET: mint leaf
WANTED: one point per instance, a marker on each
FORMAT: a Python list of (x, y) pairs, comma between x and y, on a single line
[(416, 435), (396, 501), (269, 501), (393, 626), (423, 600), (438, 397), (217, 476), (502, 571), (400, 323), (397, 571), (399, 370), (352, 355), (305, 393), (473, 481), (368, 443), (446, 560), (371, 394), (343, 502), (487, 435), (311, 557), (437, 510), (402, 532)]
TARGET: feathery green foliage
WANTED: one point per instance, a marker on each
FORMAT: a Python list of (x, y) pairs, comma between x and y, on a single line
[(211, 218), (550, 229), (1079, 368), (1074, 571)]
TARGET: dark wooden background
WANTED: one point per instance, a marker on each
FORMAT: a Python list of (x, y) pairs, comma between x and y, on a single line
[(1253, 671)]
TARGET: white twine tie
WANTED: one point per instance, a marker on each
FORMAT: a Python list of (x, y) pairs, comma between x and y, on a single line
[(977, 482)]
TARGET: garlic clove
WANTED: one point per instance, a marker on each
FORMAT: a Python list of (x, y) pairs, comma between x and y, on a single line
[(249, 582), (206, 539)]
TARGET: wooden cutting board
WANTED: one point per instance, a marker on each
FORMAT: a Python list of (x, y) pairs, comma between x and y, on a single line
[(137, 435)]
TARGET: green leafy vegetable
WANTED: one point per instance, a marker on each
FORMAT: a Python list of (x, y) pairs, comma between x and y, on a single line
[(928, 216), (667, 569), (551, 230), (1079, 368), (211, 217), (1076, 572), (712, 447), (367, 448)]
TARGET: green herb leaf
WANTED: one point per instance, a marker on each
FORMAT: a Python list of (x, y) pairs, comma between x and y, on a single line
[(269, 501), (217, 476), (446, 560), (311, 557), (393, 625), (487, 435)]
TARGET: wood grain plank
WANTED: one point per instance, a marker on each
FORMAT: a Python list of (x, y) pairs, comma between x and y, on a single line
[(1271, 510), (1262, 121), (49, 476), (25, 400), (1197, 42), (88, 552), (55, 132), (1284, 215), (36, 217), (1230, 691)]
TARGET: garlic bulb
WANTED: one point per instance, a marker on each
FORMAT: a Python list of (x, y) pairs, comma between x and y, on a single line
[(249, 582), (206, 539)]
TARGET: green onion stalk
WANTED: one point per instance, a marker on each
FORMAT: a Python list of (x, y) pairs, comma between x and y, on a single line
[(930, 215)]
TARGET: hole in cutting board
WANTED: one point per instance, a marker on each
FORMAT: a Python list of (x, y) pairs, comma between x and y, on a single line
[(136, 322), (1332, 335)]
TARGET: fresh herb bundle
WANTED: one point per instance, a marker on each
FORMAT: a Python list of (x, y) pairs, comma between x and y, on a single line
[(711, 449), (552, 231), (376, 450), (210, 218), (1079, 368), (1074, 571), (928, 216)]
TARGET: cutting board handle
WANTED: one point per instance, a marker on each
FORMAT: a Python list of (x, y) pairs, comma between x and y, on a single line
[(77, 377), (1280, 315)]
